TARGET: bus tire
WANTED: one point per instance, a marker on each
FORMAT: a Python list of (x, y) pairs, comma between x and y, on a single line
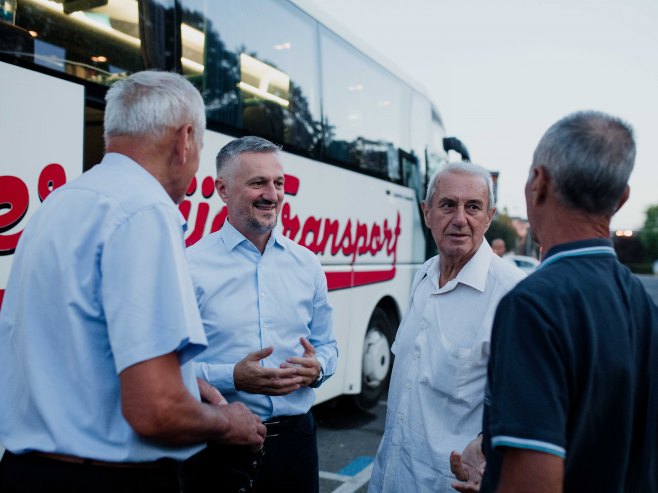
[(377, 360)]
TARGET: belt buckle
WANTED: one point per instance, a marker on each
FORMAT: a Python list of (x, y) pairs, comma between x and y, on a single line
[(271, 423)]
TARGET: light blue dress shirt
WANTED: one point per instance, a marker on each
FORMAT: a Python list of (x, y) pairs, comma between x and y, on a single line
[(435, 399), (250, 301), (99, 283)]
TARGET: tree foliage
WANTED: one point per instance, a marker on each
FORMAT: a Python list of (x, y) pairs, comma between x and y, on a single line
[(649, 233), (501, 227)]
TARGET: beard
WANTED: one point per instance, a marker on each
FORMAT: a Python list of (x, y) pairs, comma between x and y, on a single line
[(259, 226)]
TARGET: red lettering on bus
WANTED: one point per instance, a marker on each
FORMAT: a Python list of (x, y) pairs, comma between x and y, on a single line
[(356, 240), (15, 197), (191, 188), (207, 187), (290, 184), (52, 176)]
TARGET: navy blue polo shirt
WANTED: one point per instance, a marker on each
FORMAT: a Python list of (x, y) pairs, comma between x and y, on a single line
[(574, 372)]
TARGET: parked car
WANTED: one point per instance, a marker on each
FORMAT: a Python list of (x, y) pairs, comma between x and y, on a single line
[(525, 263)]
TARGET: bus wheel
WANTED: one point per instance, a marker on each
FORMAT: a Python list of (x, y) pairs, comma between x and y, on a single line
[(377, 360)]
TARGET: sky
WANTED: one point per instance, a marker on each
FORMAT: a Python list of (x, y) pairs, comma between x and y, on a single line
[(502, 72)]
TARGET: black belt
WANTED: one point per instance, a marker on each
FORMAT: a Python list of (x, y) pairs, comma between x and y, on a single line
[(72, 459), (277, 425)]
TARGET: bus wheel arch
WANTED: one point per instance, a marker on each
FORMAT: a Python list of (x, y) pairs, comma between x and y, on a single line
[(377, 359)]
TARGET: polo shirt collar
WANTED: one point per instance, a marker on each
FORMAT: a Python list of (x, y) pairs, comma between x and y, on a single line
[(593, 246), (232, 237)]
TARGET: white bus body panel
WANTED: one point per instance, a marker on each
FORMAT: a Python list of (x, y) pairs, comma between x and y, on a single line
[(41, 145)]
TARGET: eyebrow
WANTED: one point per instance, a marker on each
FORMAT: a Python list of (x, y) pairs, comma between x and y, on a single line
[(453, 199), (261, 177)]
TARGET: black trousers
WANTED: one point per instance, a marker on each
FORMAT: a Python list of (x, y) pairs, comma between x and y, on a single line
[(288, 462), (31, 473)]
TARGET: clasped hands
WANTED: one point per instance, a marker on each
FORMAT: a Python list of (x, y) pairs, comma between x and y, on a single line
[(294, 373)]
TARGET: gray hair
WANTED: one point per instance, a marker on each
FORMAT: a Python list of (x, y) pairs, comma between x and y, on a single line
[(465, 168), (150, 102), (229, 154), (590, 156)]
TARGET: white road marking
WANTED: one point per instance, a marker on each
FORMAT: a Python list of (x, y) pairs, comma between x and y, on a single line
[(350, 483)]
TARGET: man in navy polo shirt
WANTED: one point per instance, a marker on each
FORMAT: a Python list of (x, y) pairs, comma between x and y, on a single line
[(572, 395)]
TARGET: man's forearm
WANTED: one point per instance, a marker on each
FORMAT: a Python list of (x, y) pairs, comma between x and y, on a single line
[(158, 406)]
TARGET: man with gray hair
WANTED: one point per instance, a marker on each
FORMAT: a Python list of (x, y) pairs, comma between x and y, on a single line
[(100, 315), (572, 389), (442, 345), (263, 301)]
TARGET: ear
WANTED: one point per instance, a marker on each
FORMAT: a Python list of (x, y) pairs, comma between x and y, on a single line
[(222, 188), (539, 183), (184, 141), (490, 215), (623, 199), (426, 211)]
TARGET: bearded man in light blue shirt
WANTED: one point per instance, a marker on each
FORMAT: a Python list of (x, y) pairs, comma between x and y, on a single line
[(99, 314), (263, 302)]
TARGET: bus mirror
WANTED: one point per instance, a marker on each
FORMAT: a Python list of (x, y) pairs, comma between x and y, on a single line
[(454, 144), (71, 6)]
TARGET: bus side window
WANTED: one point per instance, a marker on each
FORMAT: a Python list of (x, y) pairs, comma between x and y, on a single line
[(411, 175), (362, 105), (97, 44), (258, 77)]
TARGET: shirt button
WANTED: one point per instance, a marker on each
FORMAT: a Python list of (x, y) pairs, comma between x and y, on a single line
[(416, 355), (262, 294), (423, 325), (407, 386)]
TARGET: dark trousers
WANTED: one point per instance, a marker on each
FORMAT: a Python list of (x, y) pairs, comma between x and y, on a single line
[(32, 473), (289, 462)]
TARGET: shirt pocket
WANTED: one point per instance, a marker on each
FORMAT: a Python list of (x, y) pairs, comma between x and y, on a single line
[(457, 373)]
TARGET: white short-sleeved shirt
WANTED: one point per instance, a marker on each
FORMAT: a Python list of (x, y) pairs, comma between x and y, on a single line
[(99, 283)]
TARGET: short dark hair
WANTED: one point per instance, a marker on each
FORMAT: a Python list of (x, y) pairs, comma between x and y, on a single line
[(590, 156), (228, 154)]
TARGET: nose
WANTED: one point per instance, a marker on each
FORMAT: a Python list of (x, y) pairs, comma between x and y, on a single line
[(459, 217), (270, 192)]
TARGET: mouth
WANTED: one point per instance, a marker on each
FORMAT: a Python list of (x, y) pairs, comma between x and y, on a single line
[(265, 205)]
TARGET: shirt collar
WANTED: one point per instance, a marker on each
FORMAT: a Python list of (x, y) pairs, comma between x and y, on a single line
[(593, 246), (473, 274), (149, 182), (232, 237), (146, 178)]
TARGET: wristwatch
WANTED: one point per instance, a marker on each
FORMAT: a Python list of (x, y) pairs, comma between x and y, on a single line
[(318, 380)]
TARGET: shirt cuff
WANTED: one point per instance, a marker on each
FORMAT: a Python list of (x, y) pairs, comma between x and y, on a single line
[(528, 444), (219, 376)]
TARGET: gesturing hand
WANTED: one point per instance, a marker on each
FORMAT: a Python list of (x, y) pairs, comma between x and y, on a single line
[(250, 376), (468, 467), (307, 366)]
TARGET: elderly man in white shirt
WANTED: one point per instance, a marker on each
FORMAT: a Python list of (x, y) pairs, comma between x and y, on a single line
[(435, 399)]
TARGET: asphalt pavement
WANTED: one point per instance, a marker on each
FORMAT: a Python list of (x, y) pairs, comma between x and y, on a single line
[(347, 443)]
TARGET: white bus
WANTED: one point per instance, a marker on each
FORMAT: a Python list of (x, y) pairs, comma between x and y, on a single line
[(358, 140)]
